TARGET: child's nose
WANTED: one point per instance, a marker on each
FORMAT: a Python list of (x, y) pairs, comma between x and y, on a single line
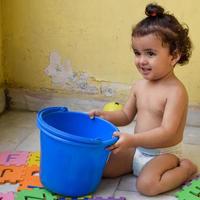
[(143, 60)]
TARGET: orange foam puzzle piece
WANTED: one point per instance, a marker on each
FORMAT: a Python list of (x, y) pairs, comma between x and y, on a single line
[(11, 174), (30, 178)]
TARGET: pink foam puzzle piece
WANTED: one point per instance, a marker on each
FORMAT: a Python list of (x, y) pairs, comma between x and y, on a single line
[(13, 158), (7, 196)]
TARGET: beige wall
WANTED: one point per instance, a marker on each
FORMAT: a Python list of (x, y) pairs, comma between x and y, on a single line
[(83, 46), (1, 67), (2, 96)]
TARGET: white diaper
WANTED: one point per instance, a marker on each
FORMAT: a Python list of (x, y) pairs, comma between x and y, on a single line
[(143, 156), (139, 161)]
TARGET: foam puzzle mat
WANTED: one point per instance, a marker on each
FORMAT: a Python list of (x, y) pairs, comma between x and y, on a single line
[(190, 190), (21, 169)]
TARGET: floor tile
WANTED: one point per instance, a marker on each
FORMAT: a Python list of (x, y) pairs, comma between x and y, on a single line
[(11, 137), (128, 129), (7, 187), (192, 135), (107, 187), (18, 119), (30, 143), (137, 196), (193, 118), (192, 152), (128, 183), (18, 131)]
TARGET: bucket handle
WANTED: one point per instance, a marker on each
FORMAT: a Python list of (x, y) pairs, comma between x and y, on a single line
[(110, 142)]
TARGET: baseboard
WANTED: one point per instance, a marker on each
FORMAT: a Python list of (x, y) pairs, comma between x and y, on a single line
[(35, 100), (2, 100)]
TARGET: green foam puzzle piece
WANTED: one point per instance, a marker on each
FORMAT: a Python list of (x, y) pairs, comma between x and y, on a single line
[(190, 192), (183, 195), (35, 194)]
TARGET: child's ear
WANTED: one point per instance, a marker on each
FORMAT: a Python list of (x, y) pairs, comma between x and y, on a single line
[(175, 57)]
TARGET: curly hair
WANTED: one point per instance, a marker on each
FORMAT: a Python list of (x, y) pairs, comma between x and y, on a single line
[(168, 28)]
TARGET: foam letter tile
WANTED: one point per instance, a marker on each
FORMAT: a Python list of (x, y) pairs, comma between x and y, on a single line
[(113, 198), (34, 159), (13, 158), (7, 196), (87, 197), (30, 179), (108, 198), (190, 192), (11, 174), (39, 194)]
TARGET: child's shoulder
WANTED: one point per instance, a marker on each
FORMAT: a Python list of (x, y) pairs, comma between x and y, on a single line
[(173, 86), (178, 85), (139, 83), (138, 86), (176, 89)]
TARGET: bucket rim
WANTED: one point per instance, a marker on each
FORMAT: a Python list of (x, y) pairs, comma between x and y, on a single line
[(71, 142), (64, 135)]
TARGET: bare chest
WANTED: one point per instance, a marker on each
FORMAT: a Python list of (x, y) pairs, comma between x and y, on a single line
[(151, 101)]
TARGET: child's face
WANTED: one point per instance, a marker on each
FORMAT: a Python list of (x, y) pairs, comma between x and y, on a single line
[(152, 58)]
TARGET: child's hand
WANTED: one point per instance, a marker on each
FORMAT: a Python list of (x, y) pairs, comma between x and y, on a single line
[(124, 142), (94, 113)]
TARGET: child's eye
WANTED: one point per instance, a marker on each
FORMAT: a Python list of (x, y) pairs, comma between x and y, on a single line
[(150, 53), (136, 53)]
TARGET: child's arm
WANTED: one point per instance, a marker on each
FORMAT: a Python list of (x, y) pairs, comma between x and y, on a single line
[(168, 133), (121, 117)]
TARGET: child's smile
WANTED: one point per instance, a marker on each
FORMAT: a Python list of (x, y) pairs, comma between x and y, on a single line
[(145, 70)]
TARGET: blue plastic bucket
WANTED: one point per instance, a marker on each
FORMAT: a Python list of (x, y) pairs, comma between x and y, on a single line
[(73, 153)]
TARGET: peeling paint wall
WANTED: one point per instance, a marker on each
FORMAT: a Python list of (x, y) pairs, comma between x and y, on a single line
[(63, 76), (83, 47)]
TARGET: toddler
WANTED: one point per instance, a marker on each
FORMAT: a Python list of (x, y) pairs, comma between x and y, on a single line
[(159, 103)]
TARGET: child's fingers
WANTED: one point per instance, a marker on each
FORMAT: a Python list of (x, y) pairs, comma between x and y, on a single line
[(110, 148), (116, 134), (93, 113), (115, 145), (114, 148)]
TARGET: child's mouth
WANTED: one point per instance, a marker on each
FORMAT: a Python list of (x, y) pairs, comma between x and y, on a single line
[(145, 70)]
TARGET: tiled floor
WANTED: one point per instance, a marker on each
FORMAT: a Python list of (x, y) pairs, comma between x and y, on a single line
[(18, 131)]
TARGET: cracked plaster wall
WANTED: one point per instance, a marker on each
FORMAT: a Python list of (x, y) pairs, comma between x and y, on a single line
[(63, 76)]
